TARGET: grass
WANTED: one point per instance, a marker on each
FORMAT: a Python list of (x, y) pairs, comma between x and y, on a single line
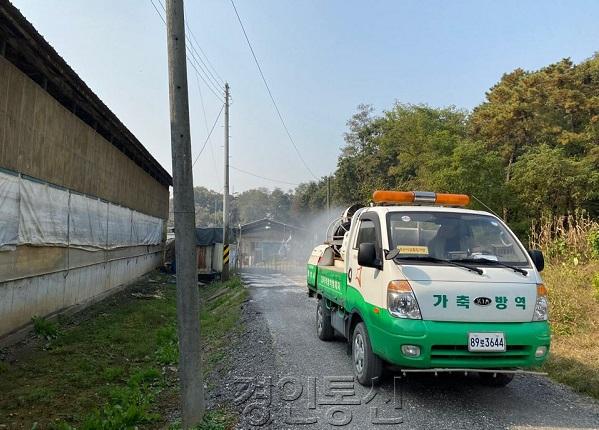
[(574, 316), (114, 365), (213, 420)]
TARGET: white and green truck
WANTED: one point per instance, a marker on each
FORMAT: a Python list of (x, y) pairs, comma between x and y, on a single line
[(419, 282)]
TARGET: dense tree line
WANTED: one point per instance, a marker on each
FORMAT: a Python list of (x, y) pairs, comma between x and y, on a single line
[(531, 148), (248, 206)]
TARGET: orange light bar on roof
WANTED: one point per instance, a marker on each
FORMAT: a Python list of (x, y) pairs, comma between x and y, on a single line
[(452, 199), (425, 197), (393, 196)]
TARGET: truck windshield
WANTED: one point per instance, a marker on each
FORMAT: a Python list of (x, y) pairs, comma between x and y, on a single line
[(453, 236)]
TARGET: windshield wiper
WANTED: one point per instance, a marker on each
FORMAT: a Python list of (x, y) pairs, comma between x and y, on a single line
[(441, 260), (492, 263)]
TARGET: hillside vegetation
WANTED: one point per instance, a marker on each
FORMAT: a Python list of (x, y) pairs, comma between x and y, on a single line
[(571, 246), (531, 149)]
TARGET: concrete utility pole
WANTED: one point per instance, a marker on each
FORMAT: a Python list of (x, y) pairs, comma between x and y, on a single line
[(225, 274), (188, 303), (328, 195)]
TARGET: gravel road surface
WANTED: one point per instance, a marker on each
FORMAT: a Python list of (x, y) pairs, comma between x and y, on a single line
[(286, 378)]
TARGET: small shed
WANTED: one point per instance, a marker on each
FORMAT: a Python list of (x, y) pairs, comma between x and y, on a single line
[(209, 247)]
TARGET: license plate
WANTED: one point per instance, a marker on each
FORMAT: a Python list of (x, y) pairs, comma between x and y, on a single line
[(485, 342)]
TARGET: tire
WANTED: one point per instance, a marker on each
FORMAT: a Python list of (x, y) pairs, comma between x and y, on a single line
[(368, 368), (324, 329), (495, 380)]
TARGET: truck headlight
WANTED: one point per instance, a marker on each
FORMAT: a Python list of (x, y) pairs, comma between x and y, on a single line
[(401, 300), (541, 305)]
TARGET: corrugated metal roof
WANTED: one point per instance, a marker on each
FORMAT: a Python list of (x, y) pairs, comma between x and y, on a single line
[(264, 222)]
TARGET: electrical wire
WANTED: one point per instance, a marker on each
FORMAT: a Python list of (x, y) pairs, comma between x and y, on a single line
[(211, 66), (211, 86), (193, 52), (198, 77), (209, 134), (191, 63), (270, 94), (262, 177), (213, 81), (216, 175)]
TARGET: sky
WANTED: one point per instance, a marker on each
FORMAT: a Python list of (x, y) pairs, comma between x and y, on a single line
[(321, 59)]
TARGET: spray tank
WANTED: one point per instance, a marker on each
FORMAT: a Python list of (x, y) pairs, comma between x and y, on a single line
[(333, 247), (337, 229)]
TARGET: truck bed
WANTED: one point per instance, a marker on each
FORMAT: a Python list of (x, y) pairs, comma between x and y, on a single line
[(335, 268), (331, 282)]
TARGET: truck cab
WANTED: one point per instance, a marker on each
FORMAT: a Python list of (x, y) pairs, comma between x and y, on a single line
[(422, 283)]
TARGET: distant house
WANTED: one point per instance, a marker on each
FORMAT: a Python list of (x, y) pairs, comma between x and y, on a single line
[(267, 240)]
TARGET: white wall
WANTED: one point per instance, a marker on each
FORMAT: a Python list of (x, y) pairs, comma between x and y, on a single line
[(43, 295)]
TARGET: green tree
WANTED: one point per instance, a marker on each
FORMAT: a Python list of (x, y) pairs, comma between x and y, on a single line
[(556, 106), (546, 180), (474, 171)]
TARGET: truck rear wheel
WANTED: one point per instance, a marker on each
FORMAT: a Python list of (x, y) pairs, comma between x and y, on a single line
[(324, 329), (495, 379), (367, 366)]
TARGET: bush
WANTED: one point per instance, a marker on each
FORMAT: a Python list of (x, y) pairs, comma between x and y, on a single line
[(573, 238), (593, 242), (596, 286), (44, 328)]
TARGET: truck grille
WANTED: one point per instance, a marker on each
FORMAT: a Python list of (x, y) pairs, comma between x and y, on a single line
[(458, 355)]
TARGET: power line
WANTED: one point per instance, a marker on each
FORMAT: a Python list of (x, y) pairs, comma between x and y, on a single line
[(214, 87), (207, 130), (191, 63), (190, 48), (213, 79), (217, 77), (270, 94), (209, 134), (198, 77), (262, 177), (158, 12)]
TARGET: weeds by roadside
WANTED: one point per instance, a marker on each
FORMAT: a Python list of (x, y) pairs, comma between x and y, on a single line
[(573, 238), (572, 279), (114, 366), (213, 420), (44, 328)]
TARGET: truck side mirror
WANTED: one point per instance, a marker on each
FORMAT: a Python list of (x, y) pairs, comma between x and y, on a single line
[(367, 255), (537, 258)]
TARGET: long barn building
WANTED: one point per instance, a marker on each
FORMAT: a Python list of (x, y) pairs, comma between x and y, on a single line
[(83, 204)]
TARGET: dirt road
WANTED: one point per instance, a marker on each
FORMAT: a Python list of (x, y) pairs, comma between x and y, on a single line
[(312, 384)]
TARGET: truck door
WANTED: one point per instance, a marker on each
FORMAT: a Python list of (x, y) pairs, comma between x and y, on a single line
[(366, 279)]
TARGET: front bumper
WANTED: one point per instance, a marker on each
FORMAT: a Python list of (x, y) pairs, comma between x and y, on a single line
[(445, 344)]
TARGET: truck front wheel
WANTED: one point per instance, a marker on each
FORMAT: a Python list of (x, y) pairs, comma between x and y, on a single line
[(367, 366), (324, 329)]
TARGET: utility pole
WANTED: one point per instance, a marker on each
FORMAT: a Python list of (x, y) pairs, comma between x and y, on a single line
[(328, 194), (225, 273), (188, 303)]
